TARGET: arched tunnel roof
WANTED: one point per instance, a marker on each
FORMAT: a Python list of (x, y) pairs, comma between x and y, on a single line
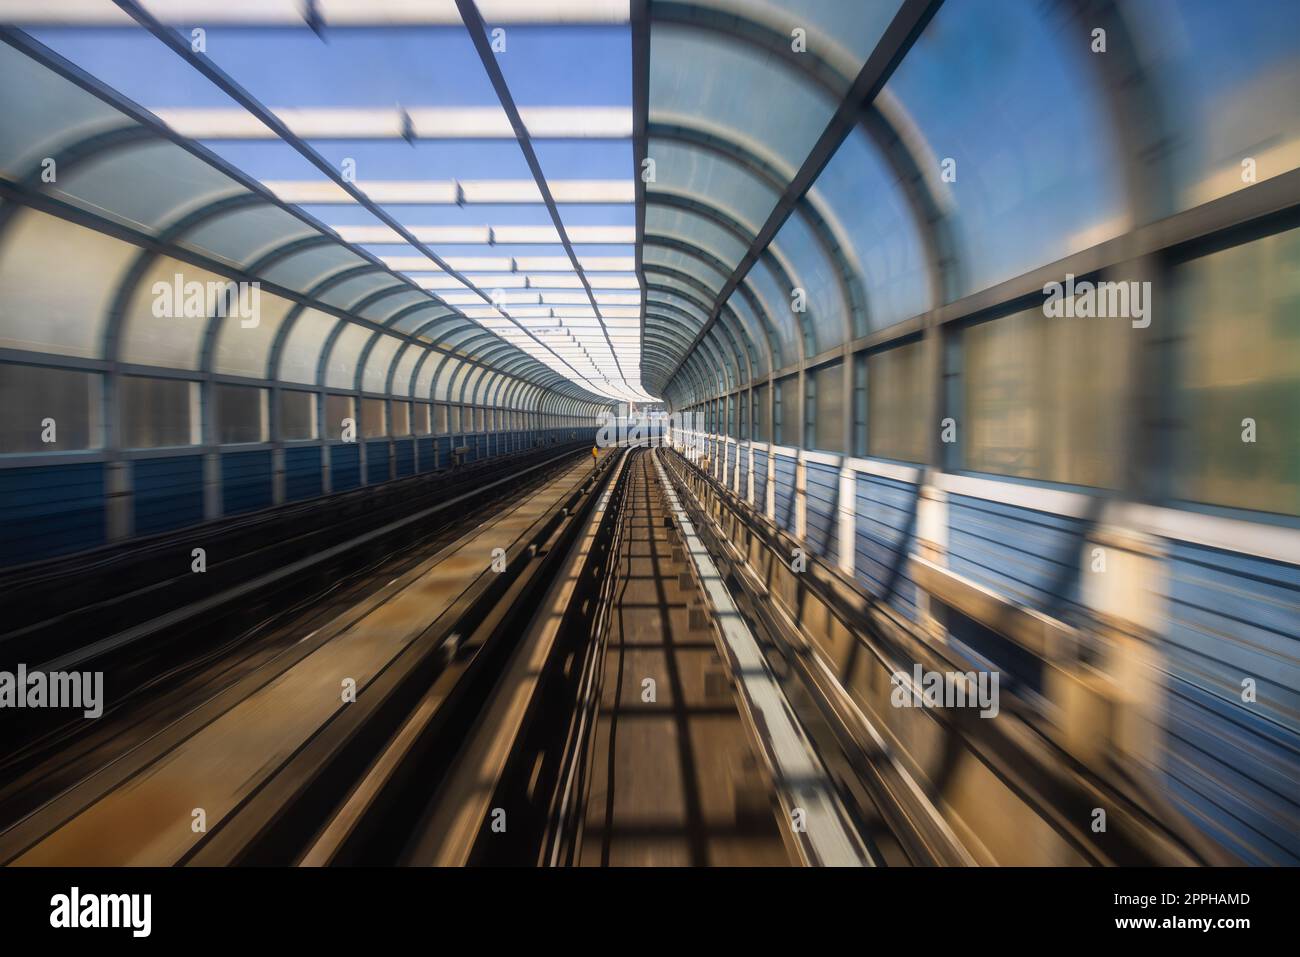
[(610, 200)]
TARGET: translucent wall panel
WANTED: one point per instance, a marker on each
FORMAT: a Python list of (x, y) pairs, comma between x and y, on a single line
[(424, 379), (401, 416), (338, 409), (896, 403), (40, 310), (713, 179), (373, 418), (300, 358), (421, 422), (1227, 79), (448, 370), (380, 360), (786, 418), (341, 373), (736, 343), (167, 315), (468, 387), (297, 415), (406, 364), (1239, 315), (727, 358), (244, 347), (867, 207), (776, 304), (754, 328), (1037, 173), (48, 410), (241, 414), (1043, 397), (827, 408), (156, 413), (814, 273)]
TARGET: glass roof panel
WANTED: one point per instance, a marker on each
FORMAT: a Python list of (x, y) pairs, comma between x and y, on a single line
[(708, 78), (384, 309), (303, 270), (694, 230), (50, 115), (712, 179), (146, 186), (242, 236), (351, 291), (682, 262)]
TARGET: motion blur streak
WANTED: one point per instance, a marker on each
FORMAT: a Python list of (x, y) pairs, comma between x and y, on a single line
[(590, 433)]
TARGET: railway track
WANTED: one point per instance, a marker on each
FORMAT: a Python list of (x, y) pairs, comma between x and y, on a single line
[(240, 774)]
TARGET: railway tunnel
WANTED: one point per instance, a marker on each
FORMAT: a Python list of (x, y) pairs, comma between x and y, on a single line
[(586, 433)]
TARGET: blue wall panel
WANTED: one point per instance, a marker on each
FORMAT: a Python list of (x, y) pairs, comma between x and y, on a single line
[(303, 473), (168, 493), (1234, 766), (377, 462), (785, 468), (1030, 556), (49, 510), (345, 466), (885, 529), (760, 482), (404, 457), (822, 484), (245, 481), (744, 470), (425, 453)]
